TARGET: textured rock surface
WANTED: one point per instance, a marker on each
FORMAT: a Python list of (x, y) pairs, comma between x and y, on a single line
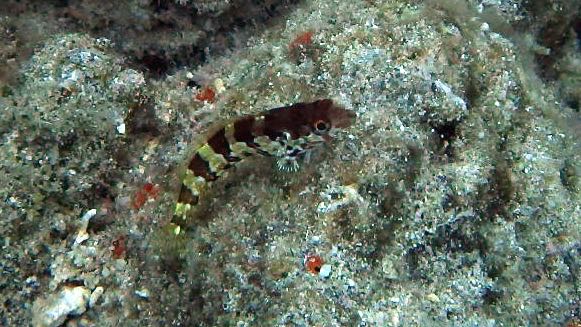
[(53, 311), (454, 199)]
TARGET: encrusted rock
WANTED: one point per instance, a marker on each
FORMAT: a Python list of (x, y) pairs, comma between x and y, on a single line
[(53, 311)]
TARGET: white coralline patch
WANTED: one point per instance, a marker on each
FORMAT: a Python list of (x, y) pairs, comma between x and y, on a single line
[(121, 128), (337, 197), (143, 293), (97, 292), (53, 311), (219, 86), (446, 89), (127, 82), (82, 234)]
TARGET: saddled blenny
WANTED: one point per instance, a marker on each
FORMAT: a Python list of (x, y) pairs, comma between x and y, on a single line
[(285, 133)]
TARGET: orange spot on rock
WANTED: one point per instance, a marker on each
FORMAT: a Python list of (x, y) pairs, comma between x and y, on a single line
[(151, 189), (139, 199), (206, 94), (313, 263), (119, 247), (302, 47), (148, 191), (301, 40)]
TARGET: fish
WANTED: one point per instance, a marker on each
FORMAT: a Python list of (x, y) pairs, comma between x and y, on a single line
[(286, 133)]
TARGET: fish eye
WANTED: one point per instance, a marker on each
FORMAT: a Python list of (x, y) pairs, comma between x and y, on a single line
[(321, 126)]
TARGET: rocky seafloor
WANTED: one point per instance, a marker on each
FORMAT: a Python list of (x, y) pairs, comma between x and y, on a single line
[(454, 199)]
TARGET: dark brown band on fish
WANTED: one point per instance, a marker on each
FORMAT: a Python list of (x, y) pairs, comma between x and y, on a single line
[(291, 120), (243, 130), (201, 167), (219, 143)]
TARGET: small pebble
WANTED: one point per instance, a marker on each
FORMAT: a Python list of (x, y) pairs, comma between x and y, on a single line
[(121, 128), (433, 298), (325, 271), (144, 293), (53, 311)]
